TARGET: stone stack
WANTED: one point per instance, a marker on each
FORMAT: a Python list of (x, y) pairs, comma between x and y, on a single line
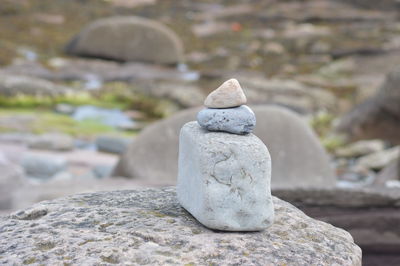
[(224, 171), (226, 111)]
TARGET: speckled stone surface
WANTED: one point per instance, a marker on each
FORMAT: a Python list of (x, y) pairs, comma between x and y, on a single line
[(238, 120), (148, 227), (224, 180)]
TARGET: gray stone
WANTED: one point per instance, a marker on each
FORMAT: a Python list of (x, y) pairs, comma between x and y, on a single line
[(238, 120), (380, 159), (390, 173), (12, 85), (289, 93), (111, 144), (64, 108), (295, 150), (128, 39), (149, 227), (102, 171), (224, 180), (42, 166), (360, 148), (52, 141)]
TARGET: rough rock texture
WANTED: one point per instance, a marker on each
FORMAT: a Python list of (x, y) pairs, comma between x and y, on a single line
[(149, 227), (229, 94), (128, 39), (237, 120), (295, 150), (224, 180)]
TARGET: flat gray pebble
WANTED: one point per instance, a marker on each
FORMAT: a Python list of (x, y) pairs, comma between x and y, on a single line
[(239, 120)]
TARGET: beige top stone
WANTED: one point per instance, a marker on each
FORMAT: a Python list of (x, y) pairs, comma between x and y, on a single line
[(229, 94)]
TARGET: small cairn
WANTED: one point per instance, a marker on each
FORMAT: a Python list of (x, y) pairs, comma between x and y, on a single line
[(226, 111), (224, 170)]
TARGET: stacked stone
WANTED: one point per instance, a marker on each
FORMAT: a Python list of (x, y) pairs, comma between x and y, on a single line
[(224, 171), (226, 110)]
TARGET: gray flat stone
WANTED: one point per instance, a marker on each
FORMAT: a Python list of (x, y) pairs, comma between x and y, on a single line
[(238, 120), (137, 227), (224, 180)]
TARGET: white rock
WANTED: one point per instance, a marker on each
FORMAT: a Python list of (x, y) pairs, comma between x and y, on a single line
[(229, 94), (224, 179)]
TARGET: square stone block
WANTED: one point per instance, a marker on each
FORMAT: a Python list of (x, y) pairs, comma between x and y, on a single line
[(224, 179)]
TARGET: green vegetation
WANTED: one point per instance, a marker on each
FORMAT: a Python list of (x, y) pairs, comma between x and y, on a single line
[(322, 124), (46, 121)]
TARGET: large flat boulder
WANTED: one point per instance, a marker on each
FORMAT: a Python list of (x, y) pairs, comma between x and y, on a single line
[(150, 227), (128, 38), (295, 150)]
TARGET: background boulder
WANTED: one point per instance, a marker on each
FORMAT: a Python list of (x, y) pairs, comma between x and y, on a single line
[(128, 39), (298, 159)]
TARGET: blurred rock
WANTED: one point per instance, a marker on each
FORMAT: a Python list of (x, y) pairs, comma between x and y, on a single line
[(42, 166), (65, 184), (378, 160), (288, 93), (112, 144), (11, 179), (182, 93), (52, 141), (391, 172), (154, 153), (379, 116), (360, 148), (102, 171), (370, 215), (65, 109), (12, 85), (128, 39)]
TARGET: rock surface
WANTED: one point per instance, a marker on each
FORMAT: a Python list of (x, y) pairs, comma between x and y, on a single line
[(295, 150), (237, 120), (224, 180), (229, 94), (128, 39), (149, 227)]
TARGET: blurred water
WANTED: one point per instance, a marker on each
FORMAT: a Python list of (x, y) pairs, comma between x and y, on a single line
[(93, 82), (110, 117), (28, 54), (186, 74)]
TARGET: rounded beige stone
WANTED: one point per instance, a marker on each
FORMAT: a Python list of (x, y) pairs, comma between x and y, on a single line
[(229, 94)]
